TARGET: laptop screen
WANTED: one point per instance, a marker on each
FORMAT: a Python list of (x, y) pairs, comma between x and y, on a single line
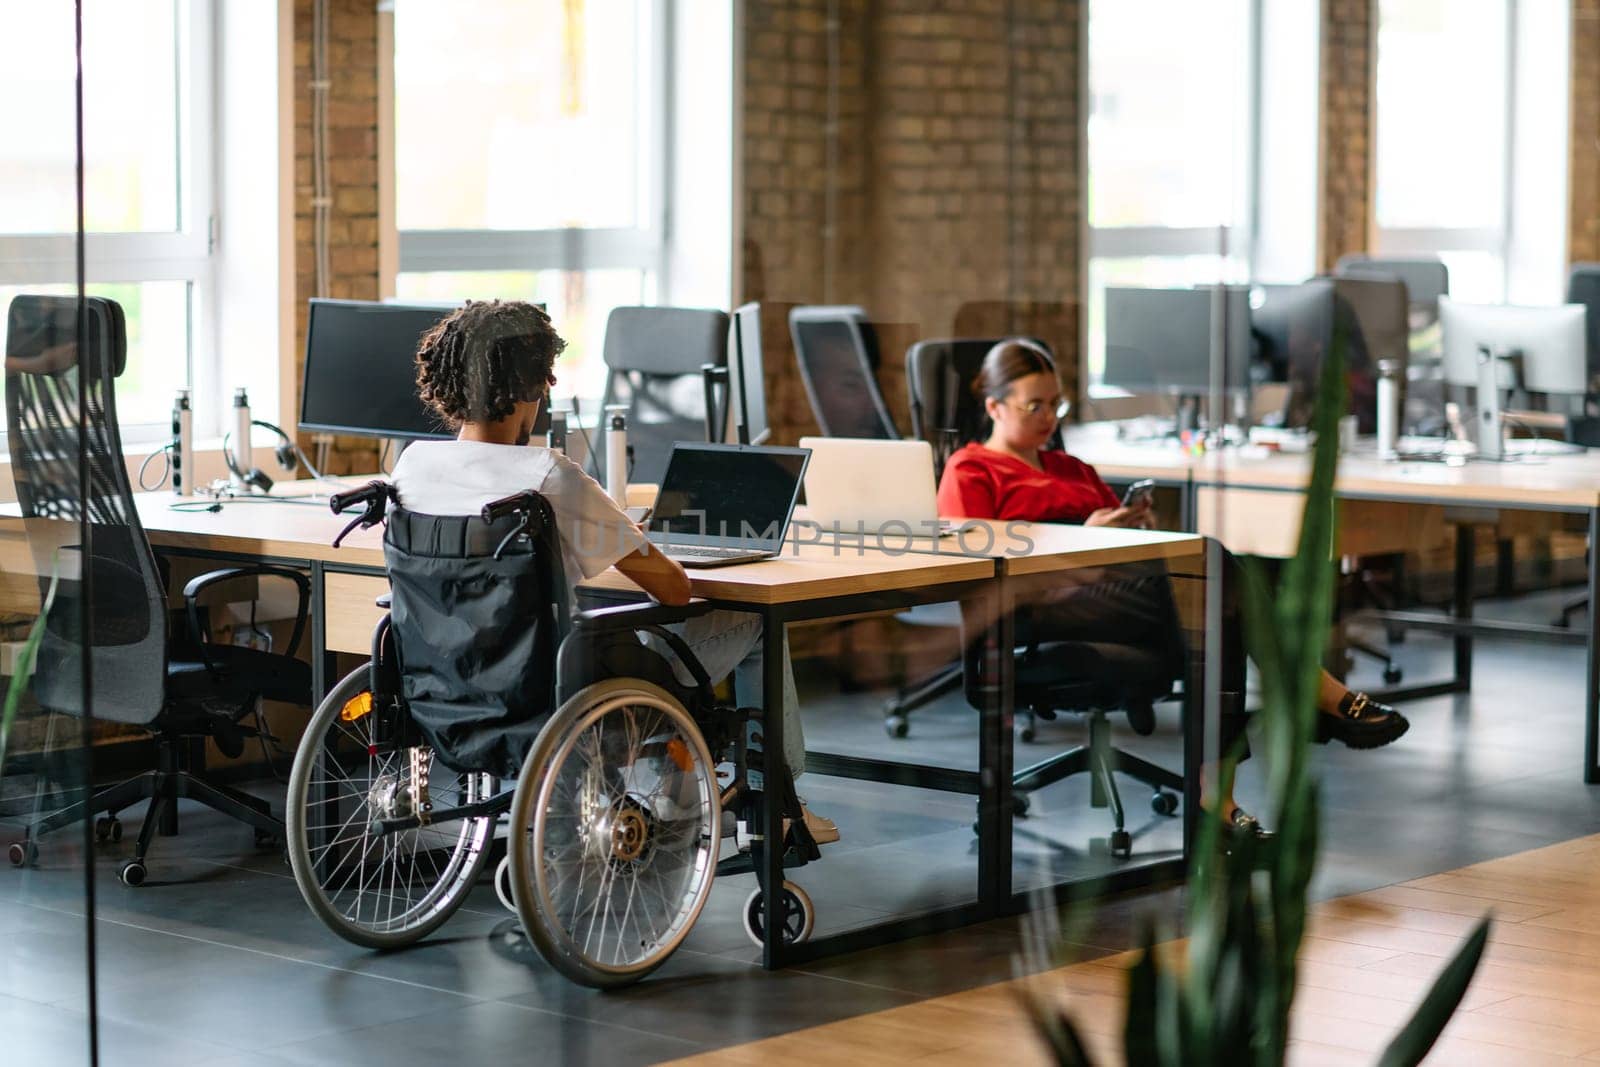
[(737, 495)]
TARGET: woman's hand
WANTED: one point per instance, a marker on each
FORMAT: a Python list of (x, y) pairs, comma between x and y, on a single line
[(1139, 517)]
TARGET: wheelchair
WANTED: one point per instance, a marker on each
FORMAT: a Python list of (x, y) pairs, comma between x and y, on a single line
[(480, 675)]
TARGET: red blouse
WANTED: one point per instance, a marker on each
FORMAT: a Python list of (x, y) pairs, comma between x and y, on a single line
[(980, 483)]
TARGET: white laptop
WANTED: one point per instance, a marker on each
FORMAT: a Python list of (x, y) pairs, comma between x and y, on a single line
[(862, 487)]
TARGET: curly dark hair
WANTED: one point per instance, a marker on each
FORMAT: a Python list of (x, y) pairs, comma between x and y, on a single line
[(477, 363)]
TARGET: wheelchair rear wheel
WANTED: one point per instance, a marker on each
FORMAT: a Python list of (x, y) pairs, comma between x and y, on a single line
[(379, 891), (615, 829)]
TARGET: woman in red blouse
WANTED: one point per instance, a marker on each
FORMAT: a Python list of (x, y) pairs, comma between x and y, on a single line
[(1011, 475)]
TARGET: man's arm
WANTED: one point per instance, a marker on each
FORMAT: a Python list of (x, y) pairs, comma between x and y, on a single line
[(663, 578)]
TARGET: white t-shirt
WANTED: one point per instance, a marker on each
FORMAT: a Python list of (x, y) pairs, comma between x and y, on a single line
[(460, 477)]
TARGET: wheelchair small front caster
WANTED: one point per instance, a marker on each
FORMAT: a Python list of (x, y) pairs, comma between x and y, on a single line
[(1121, 844), (108, 828), (796, 911), (1392, 675), (1163, 802), (502, 885), (23, 854), (896, 726), (132, 874)]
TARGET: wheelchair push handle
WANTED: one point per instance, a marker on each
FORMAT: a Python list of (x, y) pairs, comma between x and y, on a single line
[(374, 496), (509, 505)]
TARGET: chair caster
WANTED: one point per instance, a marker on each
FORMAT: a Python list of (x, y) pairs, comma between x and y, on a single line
[(132, 874), (896, 726), (502, 885), (23, 854), (1027, 734), (108, 829), (798, 915), (1392, 675), (1164, 803), (1119, 845)]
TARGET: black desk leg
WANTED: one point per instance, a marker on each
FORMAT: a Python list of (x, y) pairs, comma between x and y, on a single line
[(319, 635), (1591, 693), (996, 755), (769, 850), (1466, 565)]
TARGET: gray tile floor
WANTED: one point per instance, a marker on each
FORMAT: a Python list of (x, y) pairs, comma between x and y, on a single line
[(217, 961)]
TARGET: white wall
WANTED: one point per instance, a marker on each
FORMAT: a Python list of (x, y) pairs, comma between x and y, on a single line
[(699, 254)]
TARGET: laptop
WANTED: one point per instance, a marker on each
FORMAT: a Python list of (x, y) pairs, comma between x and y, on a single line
[(866, 488), (725, 504)]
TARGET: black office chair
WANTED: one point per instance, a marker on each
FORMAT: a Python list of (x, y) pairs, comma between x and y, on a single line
[(1583, 287), (1094, 680), (836, 350), (1426, 279), (655, 364), (181, 688)]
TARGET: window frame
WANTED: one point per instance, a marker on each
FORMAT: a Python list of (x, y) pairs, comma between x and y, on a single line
[(570, 249), (1497, 240), (185, 254)]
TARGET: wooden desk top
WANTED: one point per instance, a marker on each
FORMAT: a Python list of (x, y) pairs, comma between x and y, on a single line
[(1571, 480)]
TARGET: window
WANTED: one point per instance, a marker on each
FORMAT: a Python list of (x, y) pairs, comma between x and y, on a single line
[(1195, 176), (529, 160), (1471, 116), (147, 181)]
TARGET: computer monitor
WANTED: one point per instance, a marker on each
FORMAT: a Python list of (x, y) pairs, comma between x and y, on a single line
[(1292, 329), (1551, 342), (747, 378), (831, 344), (361, 372), (1159, 340)]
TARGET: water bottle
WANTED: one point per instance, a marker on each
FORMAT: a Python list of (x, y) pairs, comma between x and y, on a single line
[(617, 453), (1388, 408)]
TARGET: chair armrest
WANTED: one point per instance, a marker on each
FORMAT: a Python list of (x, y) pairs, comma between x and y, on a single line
[(637, 616), (197, 585)]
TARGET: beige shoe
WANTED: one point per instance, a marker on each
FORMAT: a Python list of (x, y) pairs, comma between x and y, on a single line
[(823, 831)]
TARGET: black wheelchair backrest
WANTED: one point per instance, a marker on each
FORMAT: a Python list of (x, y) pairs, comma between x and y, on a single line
[(479, 610)]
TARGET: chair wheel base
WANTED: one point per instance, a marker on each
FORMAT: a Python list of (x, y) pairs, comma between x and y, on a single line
[(1164, 803), (108, 829), (132, 874), (896, 726), (1393, 675), (23, 854)]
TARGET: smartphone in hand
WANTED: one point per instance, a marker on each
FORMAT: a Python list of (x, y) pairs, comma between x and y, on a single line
[(1140, 493)]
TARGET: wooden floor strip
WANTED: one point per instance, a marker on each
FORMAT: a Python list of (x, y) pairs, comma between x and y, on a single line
[(1367, 961)]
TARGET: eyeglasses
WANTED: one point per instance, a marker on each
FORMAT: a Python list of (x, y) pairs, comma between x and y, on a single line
[(1057, 408)]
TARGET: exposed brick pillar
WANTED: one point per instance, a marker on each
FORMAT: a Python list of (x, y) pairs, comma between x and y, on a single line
[(920, 158), (1584, 196), (1349, 69), (352, 145)]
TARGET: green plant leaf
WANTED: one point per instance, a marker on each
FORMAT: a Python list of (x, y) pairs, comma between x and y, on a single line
[(24, 665), (1139, 1030), (1055, 1027), (1412, 1043)]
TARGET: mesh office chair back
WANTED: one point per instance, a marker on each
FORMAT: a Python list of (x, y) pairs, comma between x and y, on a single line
[(1583, 287), (834, 348), (55, 383), (1427, 279), (653, 357)]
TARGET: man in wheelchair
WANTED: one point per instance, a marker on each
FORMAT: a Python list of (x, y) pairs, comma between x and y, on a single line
[(613, 841)]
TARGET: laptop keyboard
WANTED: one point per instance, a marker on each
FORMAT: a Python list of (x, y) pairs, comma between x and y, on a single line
[(708, 552)]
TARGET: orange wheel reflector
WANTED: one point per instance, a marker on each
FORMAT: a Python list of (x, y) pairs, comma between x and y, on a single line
[(680, 755), (356, 706)]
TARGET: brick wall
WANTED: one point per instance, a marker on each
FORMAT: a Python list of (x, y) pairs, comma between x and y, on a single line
[(943, 195), (1349, 52), (1584, 195), (352, 146)]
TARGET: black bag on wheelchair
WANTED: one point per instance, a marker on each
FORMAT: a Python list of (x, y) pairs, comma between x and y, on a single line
[(478, 612)]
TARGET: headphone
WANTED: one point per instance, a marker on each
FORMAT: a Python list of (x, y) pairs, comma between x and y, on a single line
[(284, 452)]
